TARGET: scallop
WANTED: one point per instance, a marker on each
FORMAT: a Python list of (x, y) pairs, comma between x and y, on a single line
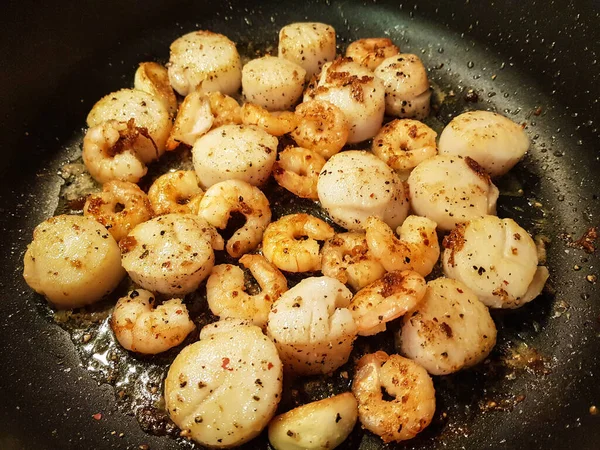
[(496, 259), (308, 44), (407, 92), (355, 185), (73, 261), (273, 83), (451, 190), (234, 152), (204, 61), (494, 141), (154, 79), (223, 390), (449, 330), (356, 91)]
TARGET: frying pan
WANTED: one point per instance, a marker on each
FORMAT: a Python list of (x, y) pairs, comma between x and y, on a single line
[(535, 62)]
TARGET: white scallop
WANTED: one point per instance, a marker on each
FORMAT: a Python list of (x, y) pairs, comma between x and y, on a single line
[(273, 83), (496, 259), (494, 141), (354, 185), (356, 91), (407, 92), (449, 330), (450, 190), (308, 44), (205, 61), (234, 152)]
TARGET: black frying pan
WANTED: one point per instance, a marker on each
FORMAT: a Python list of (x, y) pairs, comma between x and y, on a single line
[(533, 61)]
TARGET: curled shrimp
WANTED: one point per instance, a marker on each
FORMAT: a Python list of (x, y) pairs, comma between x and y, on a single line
[(371, 52), (417, 249), (230, 196), (225, 109), (403, 143), (283, 248), (141, 328), (176, 192), (119, 207), (297, 170), (413, 406), (275, 123), (322, 127), (346, 257), (109, 153), (385, 300), (227, 296)]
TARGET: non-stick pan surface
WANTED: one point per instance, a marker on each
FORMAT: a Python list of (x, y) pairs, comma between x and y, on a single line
[(535, 62)]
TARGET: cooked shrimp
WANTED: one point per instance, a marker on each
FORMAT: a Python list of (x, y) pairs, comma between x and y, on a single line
[(297, 170), (449, 330), (73, 261), (354, 185), (322, 127), (148, 116), (417, 249), (385, 300), (141, 328), (312, 327), (227, 197), (234, 152), (226, 293), (204, 61), (323, 424), (283, 248), (153, 78), (119, 207), (346, 257), (176, 192), (407, 92), (273, 83), (451, 190), (371, 52), (108, 153), (308, 44), (225, 110), (413, 406), (224, 389), (193, 120), (275, 123), (356, 91), (497, 259), (494, 141), (170, 254), (403, 144)]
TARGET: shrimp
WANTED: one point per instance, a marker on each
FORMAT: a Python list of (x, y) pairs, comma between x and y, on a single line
[(311, 326), (403, 144), (322, 127), (109, 153), (224, 389), (194, 119), (226, 296), (227, 197), (417, 249), (283, 248), (170, 254), (141, 328), (73, 261), (176, 192), (413, 406), (275, 123), (225, 110), (153, 78), (371, 52), (323, 424), (119, 207), (273, 83), (346, 257), (385, 300), (297, 170)]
